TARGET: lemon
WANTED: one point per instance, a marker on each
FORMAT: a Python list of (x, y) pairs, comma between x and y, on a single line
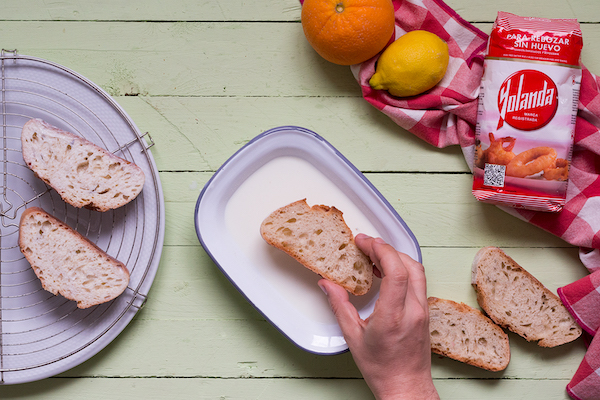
[(413, 64)]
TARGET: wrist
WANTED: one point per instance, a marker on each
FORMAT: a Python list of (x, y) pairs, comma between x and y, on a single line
[(421, 393), (420, 387)]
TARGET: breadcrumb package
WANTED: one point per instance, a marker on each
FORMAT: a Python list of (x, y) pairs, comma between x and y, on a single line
[(527, 111)]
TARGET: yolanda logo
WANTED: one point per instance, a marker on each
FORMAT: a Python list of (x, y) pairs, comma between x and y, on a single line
[(527, 100)]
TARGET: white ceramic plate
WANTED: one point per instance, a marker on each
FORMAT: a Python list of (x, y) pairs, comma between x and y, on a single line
[(278, 167)]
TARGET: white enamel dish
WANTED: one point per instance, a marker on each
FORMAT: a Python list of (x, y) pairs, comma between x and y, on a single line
[(278, 167)]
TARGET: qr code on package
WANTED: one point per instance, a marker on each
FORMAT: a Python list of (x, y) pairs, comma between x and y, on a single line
[(493, 175)]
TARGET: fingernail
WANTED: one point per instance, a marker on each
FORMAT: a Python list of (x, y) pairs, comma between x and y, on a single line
[(380, 240), (323, 289), (361, 236)]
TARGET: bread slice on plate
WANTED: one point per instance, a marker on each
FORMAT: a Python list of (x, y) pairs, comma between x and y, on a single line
[(83, 174), (463, 333), (67, 263), (319, 239), (515, 299)]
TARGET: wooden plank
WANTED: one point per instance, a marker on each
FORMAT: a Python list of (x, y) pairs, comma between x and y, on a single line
[(173, 150), (475, 11), (184, 59), (199, 59), (502, 389), (200, 134), (426, 202), (228, 349), (201, 388), (141, 10), (278, 10), (156, 388)]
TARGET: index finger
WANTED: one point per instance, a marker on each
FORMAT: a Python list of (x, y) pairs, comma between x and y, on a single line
[(416, 271), (395, 282)]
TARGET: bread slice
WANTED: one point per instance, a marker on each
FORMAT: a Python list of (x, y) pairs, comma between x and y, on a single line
[(67, 263), (83, 174), (516, 300), (319, 238), (463, 333)]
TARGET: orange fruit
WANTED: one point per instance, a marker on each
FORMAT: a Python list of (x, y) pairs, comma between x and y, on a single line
[(348, 32)]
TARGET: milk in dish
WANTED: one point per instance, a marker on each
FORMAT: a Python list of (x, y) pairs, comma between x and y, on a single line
[(270, 187)]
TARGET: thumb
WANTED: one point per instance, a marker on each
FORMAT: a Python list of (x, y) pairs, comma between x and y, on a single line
[(344, 311)]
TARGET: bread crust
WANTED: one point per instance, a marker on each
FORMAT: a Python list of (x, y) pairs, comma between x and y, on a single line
[(319, 239), (83, 174), (67, 263), (515, 299), (464, 334)]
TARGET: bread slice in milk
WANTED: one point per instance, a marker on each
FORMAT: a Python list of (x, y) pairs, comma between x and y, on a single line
[(319, 239), (83, 174), (67, 263), (515, 299)]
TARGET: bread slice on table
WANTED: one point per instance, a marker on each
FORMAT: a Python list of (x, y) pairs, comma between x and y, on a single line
[(463, 333), (319, 239), (83, 174), (515, 299), (67, 263)]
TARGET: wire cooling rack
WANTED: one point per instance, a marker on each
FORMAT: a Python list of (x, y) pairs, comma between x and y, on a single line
[(41, 334)]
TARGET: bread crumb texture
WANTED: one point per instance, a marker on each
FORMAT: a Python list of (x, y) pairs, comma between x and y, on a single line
[(83, 174), (67, 263), (319, 238), (463, 333), (516, 300)]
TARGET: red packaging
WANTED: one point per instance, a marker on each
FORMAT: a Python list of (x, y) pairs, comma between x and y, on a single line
[(527, 111)]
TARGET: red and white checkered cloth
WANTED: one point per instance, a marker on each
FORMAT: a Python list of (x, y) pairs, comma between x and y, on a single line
[(582, 299), (446, 115)]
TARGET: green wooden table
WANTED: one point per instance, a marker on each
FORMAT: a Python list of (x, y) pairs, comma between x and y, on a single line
[(205, 77)]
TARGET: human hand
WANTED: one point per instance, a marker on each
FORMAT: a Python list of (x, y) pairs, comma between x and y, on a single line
[(391, 347)]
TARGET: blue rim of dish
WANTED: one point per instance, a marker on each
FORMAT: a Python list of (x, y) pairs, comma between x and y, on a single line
[(283, 129)]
